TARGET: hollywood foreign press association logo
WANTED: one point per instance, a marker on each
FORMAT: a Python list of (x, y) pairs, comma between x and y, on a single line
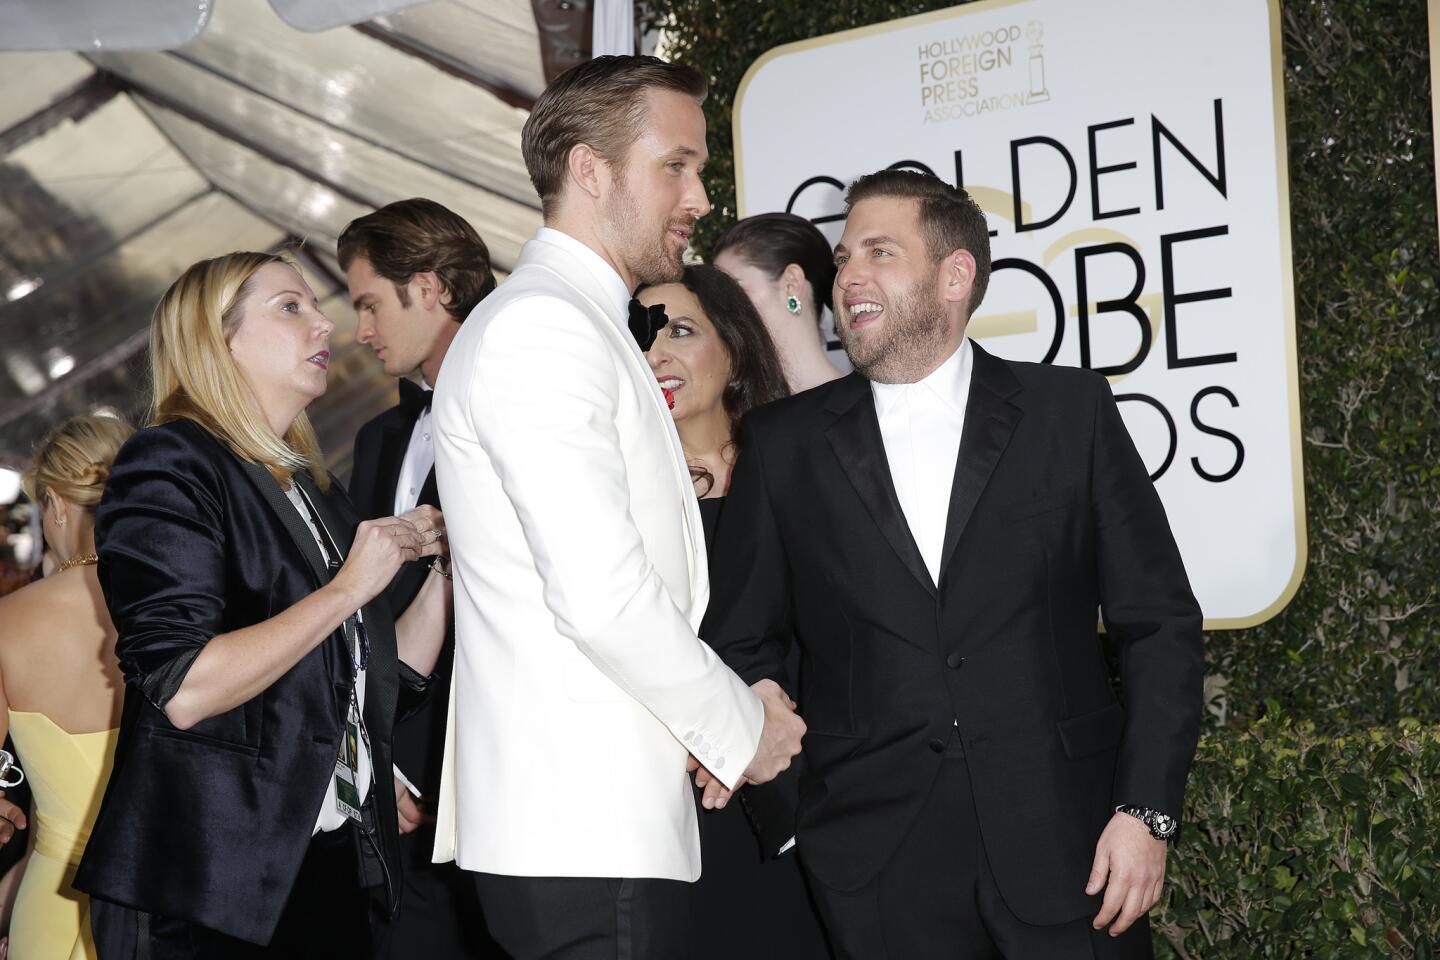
[(967, 75)]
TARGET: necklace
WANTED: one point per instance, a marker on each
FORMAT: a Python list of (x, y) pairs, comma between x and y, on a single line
[(84, 560)]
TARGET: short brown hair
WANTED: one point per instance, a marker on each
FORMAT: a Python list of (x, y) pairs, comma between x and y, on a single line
[(949, 218), (601, 103), (414, 236)]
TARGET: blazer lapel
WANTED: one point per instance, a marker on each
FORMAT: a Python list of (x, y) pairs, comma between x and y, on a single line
[(395, 440), (855, 438), (573, 273), (430, 490), (407, 583), (990, 420), (380, 685), (294, 525)]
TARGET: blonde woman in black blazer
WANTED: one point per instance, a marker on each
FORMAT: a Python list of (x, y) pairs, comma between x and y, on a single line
[(245, 596)]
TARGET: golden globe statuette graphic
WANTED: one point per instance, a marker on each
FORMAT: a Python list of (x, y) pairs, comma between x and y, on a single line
[(1035, 32)]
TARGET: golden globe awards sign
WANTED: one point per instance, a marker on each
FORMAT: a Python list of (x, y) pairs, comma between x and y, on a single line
[(1130, 156)]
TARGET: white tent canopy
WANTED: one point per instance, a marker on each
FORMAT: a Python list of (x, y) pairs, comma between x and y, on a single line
[(246, 124)]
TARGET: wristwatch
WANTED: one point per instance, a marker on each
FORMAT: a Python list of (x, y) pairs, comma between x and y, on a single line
[(1161, 826)]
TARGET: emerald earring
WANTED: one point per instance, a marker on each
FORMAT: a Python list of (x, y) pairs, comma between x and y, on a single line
[(792, 303)]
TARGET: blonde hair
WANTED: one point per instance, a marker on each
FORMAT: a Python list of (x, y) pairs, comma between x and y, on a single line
[(73, 459), (195, 377)]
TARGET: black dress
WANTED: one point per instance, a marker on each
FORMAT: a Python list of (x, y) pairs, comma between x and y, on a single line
[(745, 899)]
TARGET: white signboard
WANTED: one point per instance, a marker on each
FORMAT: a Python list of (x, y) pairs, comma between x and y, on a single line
[(1130, 155)]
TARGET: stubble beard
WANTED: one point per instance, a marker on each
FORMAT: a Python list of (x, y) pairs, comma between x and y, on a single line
[(906, 349), (649, 262)]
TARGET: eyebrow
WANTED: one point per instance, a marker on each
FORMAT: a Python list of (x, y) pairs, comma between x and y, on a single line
[(841, 249), (314, 301), (361, 300)]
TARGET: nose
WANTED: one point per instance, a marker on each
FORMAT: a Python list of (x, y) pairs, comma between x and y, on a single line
[(364, 332), (698, 202), (657, 356), (845, 276), (324, 326)]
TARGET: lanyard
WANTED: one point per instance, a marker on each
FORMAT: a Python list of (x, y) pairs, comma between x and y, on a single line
[(357, 640)]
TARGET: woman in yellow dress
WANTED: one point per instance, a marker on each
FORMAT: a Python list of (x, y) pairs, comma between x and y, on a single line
[(60, 689)]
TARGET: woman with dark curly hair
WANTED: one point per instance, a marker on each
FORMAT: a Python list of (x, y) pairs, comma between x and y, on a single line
[(715, 362)]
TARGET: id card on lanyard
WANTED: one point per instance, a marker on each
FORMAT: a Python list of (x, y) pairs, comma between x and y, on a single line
[(357, 647), (347, 764)]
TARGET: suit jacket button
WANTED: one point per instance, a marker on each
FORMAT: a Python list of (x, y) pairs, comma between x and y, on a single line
[(954, 661), (937, 745)]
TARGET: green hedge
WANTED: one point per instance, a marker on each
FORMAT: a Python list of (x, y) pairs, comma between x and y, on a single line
[(1304, 845), (1317, 839)]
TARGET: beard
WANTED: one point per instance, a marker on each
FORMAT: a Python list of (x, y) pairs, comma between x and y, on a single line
[(647, 257), (906, 348)]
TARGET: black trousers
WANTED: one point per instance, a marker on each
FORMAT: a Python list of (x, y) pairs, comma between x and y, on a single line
[(328, 915), (439, 915), (936, 899), (586, 918)]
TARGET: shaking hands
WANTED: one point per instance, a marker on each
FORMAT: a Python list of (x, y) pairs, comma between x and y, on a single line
[(779, 743)]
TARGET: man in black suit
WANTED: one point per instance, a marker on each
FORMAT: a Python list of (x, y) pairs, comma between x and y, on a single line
[(415, 271), (938, 530)]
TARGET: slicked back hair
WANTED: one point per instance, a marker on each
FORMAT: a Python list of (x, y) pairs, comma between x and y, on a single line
[(949, 218), (601, 103), (773, 241), (414, 236)]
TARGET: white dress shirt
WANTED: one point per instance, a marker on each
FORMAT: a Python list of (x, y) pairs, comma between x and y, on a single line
[(419, 461), (921, 424)]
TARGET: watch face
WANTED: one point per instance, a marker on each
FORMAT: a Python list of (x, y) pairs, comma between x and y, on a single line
[(1164, 825)]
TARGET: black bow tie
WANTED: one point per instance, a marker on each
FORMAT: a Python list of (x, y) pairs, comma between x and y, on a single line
[(415, 397), (646, 323)]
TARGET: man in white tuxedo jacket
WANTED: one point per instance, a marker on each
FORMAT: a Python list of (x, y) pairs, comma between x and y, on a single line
[(580, 687)]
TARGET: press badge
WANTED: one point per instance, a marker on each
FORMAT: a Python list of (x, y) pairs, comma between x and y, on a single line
[(347, 766)]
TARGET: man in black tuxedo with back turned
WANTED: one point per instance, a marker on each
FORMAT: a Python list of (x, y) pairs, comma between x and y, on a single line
[(938, 531), (415, 271)]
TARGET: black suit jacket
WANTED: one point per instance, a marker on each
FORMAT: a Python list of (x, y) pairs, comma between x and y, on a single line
[(375, 473), (210, 824), (1052, 517)]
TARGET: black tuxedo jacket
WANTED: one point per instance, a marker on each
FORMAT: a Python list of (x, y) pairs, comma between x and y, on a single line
[(375, 473), (1052, 518), (210, 824)]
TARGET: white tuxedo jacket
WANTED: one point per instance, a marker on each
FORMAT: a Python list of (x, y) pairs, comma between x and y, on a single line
[(580, 581)]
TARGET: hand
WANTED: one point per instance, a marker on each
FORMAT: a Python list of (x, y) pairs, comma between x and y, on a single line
[(12, 818), (779, 737), (1130, 868), (406, 808), (426, 518), (380, 547), (716, 794)]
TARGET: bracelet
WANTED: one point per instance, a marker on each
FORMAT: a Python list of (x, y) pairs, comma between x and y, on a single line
[(438, 566)]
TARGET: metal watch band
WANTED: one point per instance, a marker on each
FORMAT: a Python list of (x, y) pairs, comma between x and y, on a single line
[(1161, 826)]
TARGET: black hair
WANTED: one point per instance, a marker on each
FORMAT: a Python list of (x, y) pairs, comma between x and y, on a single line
[(773, 241)]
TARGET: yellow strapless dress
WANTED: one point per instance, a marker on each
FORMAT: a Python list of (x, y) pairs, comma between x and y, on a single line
[(67, 774)]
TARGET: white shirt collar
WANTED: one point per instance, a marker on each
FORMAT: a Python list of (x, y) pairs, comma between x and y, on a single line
[(950, 382), (608, 278)]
